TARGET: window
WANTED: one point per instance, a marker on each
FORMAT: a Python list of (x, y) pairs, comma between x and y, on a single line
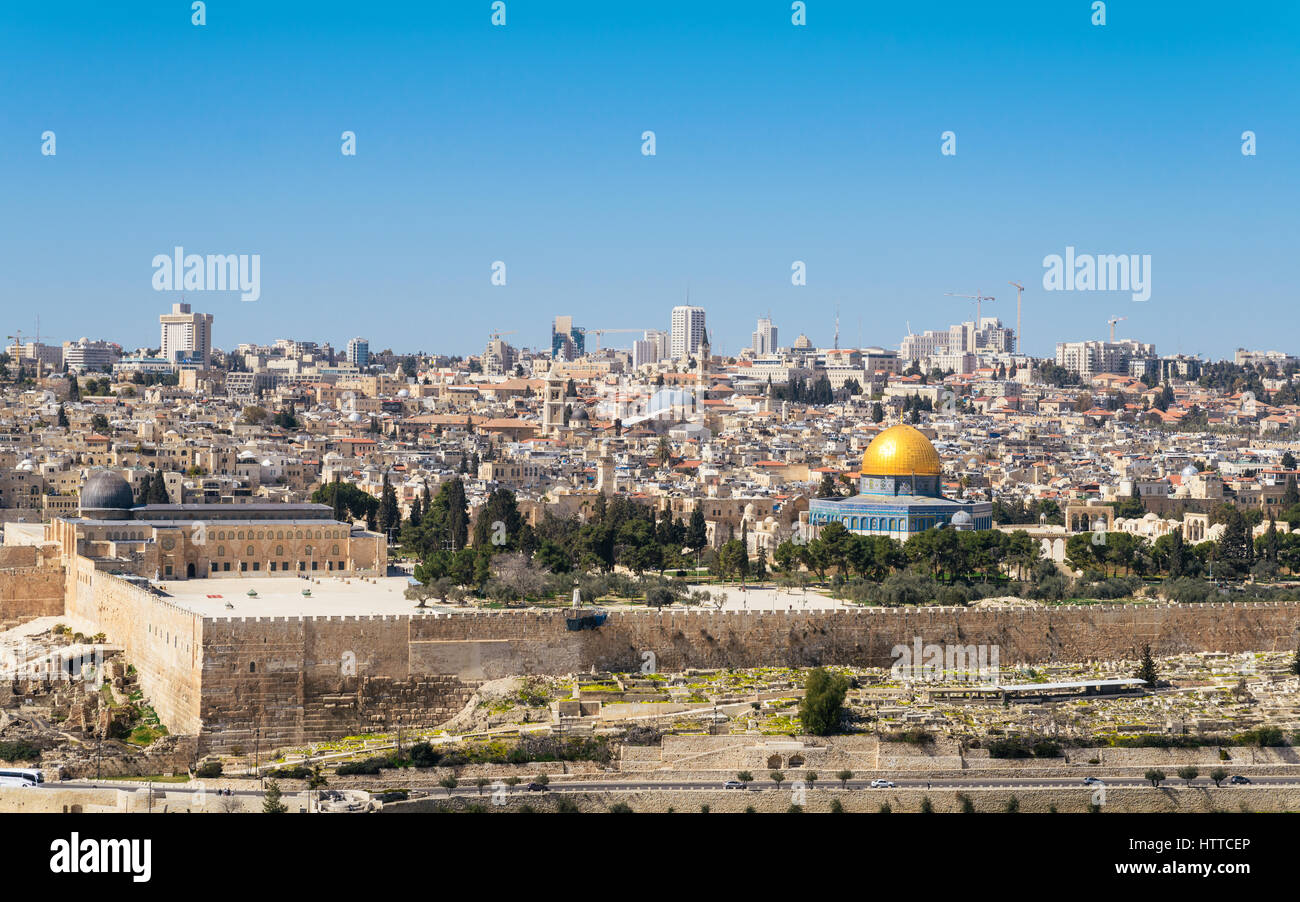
[(272, 566), (257, 565), (221, 551), (279, 551), (243, 565), (250, 551), (226, 567)]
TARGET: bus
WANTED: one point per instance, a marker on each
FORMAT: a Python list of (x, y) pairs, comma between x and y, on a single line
[(20, 776)]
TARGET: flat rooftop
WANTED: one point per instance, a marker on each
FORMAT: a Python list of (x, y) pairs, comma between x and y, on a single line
[(282, 597)]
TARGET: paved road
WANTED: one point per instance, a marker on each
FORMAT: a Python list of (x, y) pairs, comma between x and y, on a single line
[(761, 785)]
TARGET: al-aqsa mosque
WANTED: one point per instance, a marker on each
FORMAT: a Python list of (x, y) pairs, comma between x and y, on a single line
[(899, 492)]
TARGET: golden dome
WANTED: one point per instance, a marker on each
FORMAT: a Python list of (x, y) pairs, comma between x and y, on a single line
[(900, 451)]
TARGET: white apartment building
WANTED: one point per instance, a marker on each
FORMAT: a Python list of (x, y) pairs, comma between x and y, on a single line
[(764, 338), (687, 331), (186, 335)]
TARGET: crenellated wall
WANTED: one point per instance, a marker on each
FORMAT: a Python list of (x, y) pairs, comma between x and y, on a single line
[(307, 679), (274, 682), (161, 640)]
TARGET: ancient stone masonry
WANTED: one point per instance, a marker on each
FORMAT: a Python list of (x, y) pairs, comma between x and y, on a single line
[(279, 681), (28, 592)]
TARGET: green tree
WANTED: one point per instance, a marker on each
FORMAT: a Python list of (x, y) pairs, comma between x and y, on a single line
[(1155, 776), (1218, 775), (844, 777), (271, 803), (1188, 773), (697, 535), (821, 707), (1147, 668)]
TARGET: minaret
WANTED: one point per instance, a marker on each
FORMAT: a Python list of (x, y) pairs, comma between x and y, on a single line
[(702, 364)]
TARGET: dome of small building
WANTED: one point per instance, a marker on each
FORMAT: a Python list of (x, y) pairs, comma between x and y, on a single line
[(961, 520), (580, 415), (901, 451), (1189, 471), (106, 490)]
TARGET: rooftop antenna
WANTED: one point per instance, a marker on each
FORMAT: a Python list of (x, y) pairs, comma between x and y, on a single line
[(837, 327)]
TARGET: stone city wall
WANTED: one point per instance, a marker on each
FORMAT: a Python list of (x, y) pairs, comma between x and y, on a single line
[(275, 682), (30, 592), (161, 640), (298, 680)]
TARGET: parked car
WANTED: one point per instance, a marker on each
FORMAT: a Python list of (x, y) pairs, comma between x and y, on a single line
[(1090, 781), (883, 784), (733, 784), (1238, 780), (537, 787)]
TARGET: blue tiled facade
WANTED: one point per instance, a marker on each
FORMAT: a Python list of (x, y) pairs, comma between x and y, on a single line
[(897, 506)]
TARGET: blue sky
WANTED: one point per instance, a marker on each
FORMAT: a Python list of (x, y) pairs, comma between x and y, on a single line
[(775, 143)]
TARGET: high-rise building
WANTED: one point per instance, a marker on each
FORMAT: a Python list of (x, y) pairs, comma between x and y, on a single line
[(568, 342), (499, 358), (186, 336), (765, 338), (687, 331), (651, 349), (359, 352)]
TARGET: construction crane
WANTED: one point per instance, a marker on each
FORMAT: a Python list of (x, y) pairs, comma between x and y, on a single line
[(493, 336), (600, 332), (18, 350), (1113, 320), (979, 299), (1020, 291)]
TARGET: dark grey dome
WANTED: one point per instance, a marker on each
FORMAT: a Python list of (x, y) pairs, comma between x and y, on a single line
[(579, 414), (106, 490)]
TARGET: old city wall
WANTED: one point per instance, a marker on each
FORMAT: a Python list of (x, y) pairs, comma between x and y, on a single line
[(30, 592), (282, 681), (161, 640), (298, 680), (276, 682), (489, 646)]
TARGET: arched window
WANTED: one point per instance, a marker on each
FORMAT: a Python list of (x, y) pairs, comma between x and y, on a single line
[(250, 551), (221, 551), (335, 549), (279, 551)]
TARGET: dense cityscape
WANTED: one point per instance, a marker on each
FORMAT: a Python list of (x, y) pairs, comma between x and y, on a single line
[(182, 497), (817, 421)]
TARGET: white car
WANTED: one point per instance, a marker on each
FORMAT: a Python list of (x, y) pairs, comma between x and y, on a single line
[(883, 784)]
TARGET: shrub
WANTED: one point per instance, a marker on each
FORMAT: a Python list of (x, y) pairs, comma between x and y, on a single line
[(368, 767), (210, 769), (19, 750), (294, 772)]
